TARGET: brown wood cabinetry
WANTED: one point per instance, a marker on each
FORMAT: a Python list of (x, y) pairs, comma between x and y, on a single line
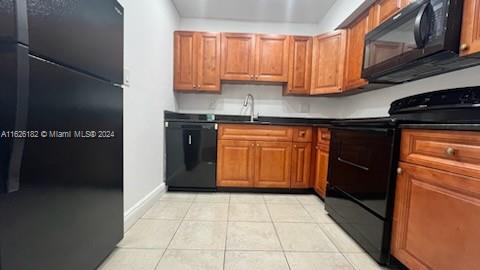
[(249, 57), (271, 58), (301, 162), (300, 66), (437, 202), (235, 163), (264, 156), (328, 63), (273, 164), (238, 57), (197, 61), (322, 149), (354, 54), (382, 10), (470, 37)]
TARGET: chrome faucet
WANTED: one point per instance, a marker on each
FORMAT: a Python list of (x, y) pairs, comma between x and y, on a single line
[(252, 107)]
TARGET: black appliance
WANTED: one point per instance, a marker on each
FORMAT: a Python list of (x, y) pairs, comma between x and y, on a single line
[(191, 150), (364, 156), (61, 185), (422, 40), (361, 181)]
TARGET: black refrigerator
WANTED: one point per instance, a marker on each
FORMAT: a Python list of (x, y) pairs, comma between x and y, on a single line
[(61, 133)]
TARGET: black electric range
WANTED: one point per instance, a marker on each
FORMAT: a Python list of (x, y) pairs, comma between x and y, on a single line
[(364, 157)]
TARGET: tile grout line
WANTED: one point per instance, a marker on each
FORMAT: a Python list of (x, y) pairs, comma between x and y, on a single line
[(173, 236), (226, 232), (278, 236)]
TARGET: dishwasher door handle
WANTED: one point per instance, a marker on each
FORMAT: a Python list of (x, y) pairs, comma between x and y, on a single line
[(352, 164), (190, 139)]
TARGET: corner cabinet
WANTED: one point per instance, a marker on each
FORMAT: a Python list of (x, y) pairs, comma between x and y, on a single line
[(437, 202), (300, 66), (328, 63), (470, 37), (197, 61)]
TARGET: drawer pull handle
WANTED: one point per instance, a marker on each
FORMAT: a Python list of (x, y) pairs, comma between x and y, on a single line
[(450, 151)]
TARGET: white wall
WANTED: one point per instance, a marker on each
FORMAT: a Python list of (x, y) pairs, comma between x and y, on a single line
[(337, 14), (149, 26)]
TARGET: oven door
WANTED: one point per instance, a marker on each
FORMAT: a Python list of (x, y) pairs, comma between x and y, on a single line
[(361, 161), (415, 32)]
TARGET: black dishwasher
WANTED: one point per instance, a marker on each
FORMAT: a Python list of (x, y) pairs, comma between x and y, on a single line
[(191, 154)]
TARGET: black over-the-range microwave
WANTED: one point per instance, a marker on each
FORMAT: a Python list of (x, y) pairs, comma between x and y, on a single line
[(422, 40)]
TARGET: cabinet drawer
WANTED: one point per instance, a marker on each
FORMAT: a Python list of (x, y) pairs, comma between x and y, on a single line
[(255, 133), (453, 151), (302, 134), (323, 136)]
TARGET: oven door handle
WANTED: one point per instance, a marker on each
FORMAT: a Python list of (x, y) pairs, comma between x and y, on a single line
[(422, 31), (352, 164)]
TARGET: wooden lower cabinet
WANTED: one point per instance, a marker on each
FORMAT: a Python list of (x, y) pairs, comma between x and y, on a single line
[(436, 219), (321, 169), (235, 163), (301, 163), (273, 164)]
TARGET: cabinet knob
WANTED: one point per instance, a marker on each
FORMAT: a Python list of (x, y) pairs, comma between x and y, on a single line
[(253, 145), (399, 170), (450, 151), (294, 146), (464, 47), (258, 144)]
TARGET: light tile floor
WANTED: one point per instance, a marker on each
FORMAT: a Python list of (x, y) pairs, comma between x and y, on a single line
[(222, 231)]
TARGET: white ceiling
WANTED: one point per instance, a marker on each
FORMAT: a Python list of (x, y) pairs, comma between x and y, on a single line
[(291, 11)]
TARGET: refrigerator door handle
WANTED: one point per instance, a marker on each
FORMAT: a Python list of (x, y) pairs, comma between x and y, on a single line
[(12, 181)]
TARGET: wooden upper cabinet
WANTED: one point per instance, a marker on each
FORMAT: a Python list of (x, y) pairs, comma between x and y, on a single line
[(328, 63), (436, 219), (208, 67), (470, 37), (197, 61), (185, 61), (301, 162), (299, 67), (271, 58), (273, 164), (382, 10), (238, 57), (235, 163), (354, 53)]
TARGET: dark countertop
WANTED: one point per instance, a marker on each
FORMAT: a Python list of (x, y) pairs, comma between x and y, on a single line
[(242, 119), (318, 122)]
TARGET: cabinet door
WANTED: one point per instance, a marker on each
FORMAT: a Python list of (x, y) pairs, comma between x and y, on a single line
[(208, 48), (273, 164), (271, 58), (328, 63), (383, 10), (235, 163), (321, 169), (185, 61), (355, 50), (238, 57), (470, 37), (436, 219), (301, 162), (299, 69)]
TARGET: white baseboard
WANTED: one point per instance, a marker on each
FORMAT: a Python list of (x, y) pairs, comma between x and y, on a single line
[(141, 207)]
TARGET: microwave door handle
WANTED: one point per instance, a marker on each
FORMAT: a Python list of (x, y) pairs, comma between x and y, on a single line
[(424, 14)]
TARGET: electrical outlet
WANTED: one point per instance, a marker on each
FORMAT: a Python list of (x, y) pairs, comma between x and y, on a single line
[(126, 77)]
